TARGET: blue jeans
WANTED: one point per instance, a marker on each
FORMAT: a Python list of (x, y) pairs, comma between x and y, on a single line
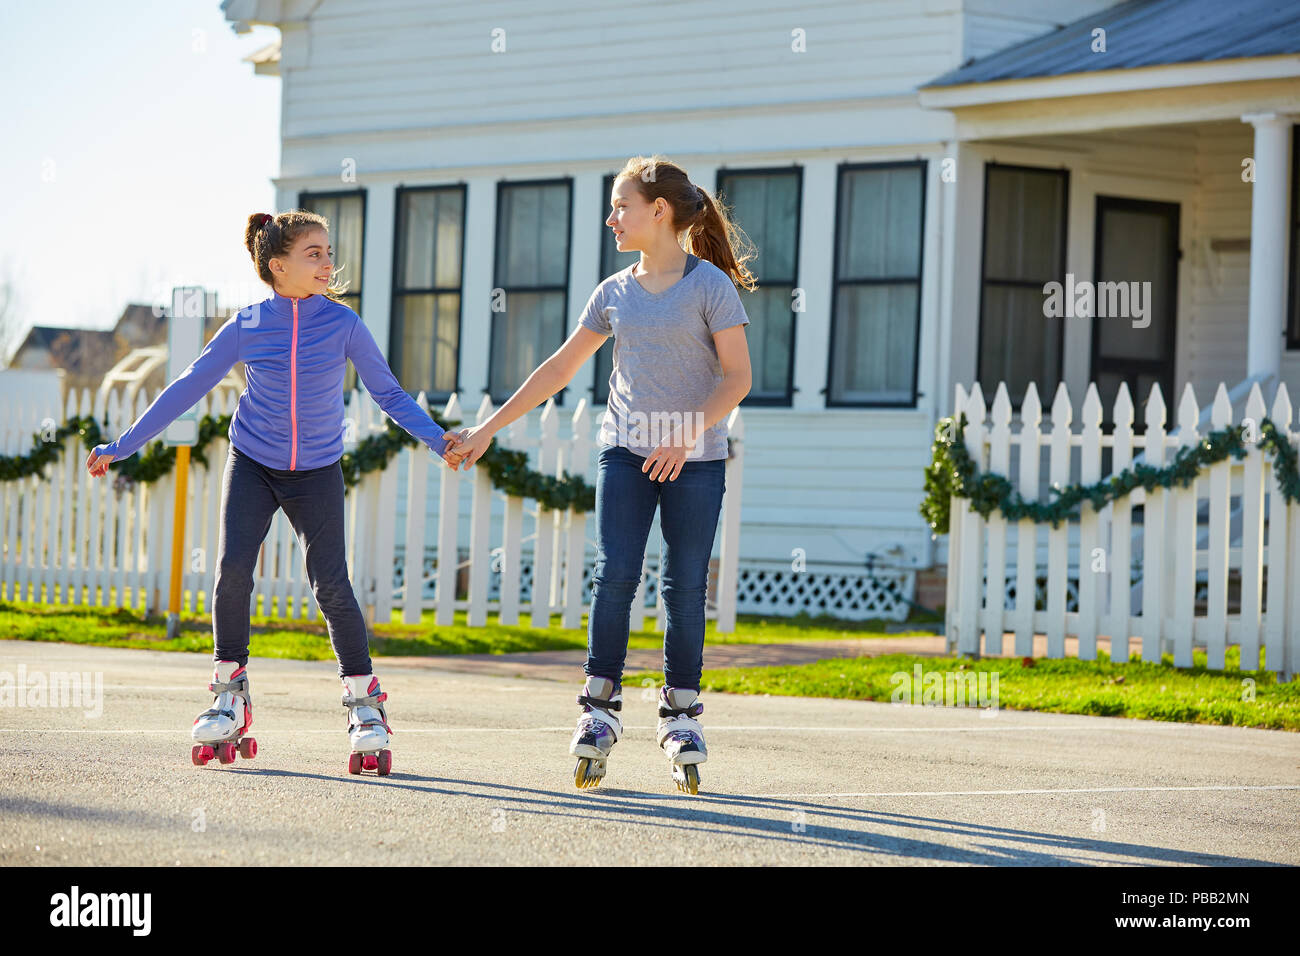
[(312, 500), (625, 507)]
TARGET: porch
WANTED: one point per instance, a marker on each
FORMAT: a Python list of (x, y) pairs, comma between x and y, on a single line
[(1121, 252)]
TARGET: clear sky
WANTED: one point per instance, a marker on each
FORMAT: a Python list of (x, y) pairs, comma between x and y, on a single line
[(135, 144)]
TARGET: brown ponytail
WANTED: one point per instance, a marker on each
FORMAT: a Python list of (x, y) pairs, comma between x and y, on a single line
[(268, 237), (711, 233)]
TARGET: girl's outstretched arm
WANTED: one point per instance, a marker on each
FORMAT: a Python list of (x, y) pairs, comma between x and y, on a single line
[(385, 389), (192, 384)]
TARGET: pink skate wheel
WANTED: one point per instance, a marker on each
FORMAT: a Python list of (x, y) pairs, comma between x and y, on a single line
[(369, 762), (354, 763), (196, 755), (385, 762), (248, 748), (226, 752)]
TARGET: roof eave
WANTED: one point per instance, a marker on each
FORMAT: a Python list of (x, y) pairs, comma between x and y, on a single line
[(1093, 82)]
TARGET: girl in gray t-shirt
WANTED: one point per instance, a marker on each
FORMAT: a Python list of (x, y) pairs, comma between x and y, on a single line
[(681, 365)]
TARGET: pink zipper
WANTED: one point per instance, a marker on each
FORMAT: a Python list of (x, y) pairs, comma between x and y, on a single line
[(293, 389)]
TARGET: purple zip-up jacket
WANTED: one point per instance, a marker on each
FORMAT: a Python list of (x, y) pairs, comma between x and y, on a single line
[(290, 416)]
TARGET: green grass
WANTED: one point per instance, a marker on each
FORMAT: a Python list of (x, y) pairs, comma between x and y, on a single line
[(1068, 686), (309, 640)]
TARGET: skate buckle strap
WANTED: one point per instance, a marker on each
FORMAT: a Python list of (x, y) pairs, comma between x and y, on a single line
[(370, 701), (597, 702), (369, 723), (230, 687), (350, 702), (694, 710), (213, 712)]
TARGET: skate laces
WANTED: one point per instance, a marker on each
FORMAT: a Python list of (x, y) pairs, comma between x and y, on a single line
[(678, 723)]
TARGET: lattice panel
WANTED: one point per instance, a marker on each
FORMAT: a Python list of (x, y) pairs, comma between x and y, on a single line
[(851, 595), (778, 591)]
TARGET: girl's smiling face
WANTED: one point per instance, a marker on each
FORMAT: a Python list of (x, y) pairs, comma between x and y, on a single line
[(307, 268), (632, 218)]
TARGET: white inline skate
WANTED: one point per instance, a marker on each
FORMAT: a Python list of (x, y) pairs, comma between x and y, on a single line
[(681, 736), (219, 730), (368, 728), (598, 730)]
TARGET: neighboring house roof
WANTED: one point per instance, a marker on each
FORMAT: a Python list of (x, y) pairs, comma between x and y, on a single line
[(81, 353), (39, 337), (1145, 33), (87, 355), (141, 328)]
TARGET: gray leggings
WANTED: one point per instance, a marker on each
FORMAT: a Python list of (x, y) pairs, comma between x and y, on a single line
[(312, 500)]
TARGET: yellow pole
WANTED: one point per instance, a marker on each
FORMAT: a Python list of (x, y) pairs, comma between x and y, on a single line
[(178, 527)]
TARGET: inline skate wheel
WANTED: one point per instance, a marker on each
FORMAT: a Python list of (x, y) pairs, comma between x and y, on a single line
[(354, 763), (385, 762), (689, 781), (248, 748), (587, 773), (226, 752)]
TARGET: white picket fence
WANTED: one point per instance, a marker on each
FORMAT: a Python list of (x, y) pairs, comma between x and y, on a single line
[(68, 538), (1232, 523)]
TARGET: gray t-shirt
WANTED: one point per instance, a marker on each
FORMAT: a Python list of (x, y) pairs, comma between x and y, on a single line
[(665, 362)]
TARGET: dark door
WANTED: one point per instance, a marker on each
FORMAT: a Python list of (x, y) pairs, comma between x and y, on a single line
[(1136, 242)]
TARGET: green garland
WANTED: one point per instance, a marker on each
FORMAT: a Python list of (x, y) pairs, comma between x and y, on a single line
[(953, 473), (147, 467), (508, 470)]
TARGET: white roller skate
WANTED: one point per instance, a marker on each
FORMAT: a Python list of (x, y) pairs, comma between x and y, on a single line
[(219, 730), (368, 728), (598, 730), (681, 736)]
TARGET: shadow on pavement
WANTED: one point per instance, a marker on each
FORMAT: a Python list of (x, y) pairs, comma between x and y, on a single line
[(706, 812)]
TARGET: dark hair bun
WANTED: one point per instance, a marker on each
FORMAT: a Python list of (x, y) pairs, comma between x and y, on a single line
[(255, 223)]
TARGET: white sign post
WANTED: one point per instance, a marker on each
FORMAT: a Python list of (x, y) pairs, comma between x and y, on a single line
[(184, 343)]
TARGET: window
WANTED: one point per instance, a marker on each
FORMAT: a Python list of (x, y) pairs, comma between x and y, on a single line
[(876, 304), (1024, 248), (531, 287), (1293, 302), (346, 213), (424, 336), (766, 204), (611, 261)]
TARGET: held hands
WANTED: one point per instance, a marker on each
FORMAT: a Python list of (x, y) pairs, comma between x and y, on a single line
[(97, 464), (470, 444), (665, 462)]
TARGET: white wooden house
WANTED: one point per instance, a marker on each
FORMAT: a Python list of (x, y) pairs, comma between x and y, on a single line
[(912, 171)]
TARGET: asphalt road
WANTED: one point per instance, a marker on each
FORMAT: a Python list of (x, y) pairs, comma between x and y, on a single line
[(481, 774)]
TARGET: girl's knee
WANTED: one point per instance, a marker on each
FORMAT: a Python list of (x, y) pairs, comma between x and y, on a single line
[(335, 593), (232, 578)]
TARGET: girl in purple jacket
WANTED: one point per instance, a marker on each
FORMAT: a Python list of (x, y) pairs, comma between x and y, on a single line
[(286, 443)]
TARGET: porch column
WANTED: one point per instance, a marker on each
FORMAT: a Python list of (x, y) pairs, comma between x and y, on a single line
[(1269, 209)]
